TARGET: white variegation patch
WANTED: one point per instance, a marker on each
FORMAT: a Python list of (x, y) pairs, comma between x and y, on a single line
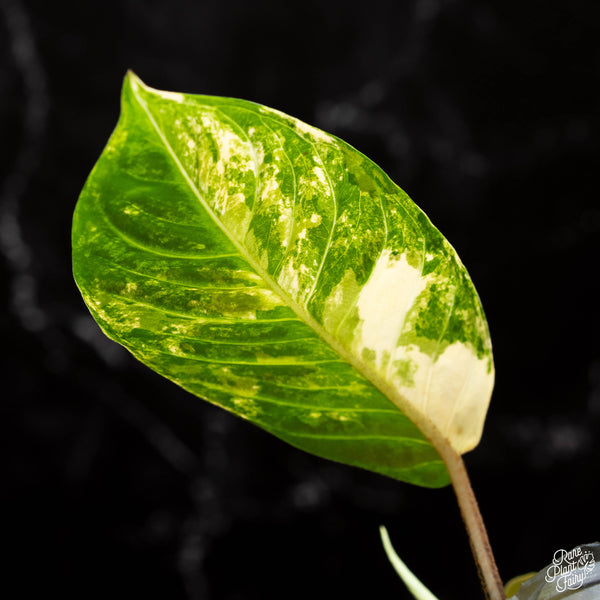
[(384, 303), (313, 132), (339, 303), (231, 145), (288, 279), (318, 171), (308, 185), (447, 389)]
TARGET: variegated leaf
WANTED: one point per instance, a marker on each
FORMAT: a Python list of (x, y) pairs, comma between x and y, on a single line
[(274, 270)]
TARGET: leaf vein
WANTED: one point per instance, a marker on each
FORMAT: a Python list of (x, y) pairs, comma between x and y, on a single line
[(277, 363), (333, 436), (180, 283), (161, 252), (268, 400)]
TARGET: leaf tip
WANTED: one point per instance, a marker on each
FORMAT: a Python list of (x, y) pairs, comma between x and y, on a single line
[(133, 81), (137, 85)]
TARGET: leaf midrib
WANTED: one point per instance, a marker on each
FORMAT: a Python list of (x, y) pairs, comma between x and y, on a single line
[(421, 420)]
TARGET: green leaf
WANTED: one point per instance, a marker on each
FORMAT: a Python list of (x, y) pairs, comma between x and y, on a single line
[(275, 271)]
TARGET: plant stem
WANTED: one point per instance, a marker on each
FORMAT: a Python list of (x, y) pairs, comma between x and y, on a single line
[(480, 544)]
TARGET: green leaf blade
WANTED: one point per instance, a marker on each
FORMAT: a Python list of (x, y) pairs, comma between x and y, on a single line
[(257, 261)]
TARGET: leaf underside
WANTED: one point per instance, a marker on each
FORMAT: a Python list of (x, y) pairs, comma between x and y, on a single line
[(275, 271)]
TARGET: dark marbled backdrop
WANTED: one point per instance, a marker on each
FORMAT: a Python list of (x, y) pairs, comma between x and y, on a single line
[(115, 483)]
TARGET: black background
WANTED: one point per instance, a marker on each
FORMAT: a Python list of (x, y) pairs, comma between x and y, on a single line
[(115, 483)]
